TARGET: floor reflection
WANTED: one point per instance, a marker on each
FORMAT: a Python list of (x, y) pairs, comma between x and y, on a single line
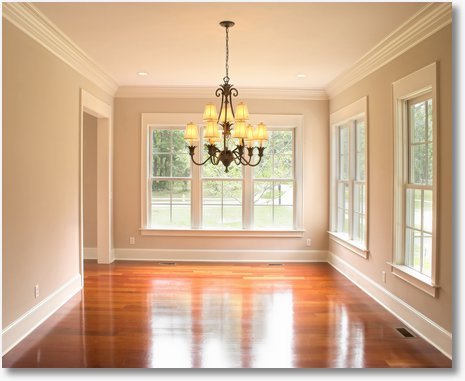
[(230, 329)]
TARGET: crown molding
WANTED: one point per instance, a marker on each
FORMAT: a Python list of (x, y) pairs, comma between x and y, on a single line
[(208, 92), (427, 21), (31, 21)]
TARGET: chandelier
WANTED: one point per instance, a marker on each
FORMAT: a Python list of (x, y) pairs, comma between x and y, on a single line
[(245, 137)]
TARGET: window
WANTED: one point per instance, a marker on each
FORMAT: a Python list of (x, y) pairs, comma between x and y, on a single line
[(348, 177), (178, 196), (273, 182), (170, 179), (415, 179)]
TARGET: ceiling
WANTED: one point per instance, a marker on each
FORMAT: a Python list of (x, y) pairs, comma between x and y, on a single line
[(182, 44)]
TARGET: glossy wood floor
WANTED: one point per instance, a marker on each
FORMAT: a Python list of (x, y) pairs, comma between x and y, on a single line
[(143, 314)]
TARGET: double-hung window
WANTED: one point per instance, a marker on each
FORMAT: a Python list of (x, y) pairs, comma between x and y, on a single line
[(415, 173), (348, 177), (178, 196)]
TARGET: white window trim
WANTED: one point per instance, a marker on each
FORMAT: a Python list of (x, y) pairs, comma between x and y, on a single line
[(149, 120), (411, 86), (353, 111)]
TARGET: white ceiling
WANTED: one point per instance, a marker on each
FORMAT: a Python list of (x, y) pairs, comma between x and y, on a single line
[(181, 44)]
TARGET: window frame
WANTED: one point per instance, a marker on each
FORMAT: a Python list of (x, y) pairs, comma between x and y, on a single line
[(411, 87), (348, 115), (178, 121)]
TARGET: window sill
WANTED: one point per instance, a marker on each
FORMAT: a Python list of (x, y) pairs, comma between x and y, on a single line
[(353, 246), (221, 233), (414, 278)]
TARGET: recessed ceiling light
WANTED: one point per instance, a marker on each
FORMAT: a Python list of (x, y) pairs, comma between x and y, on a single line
[(142, 73), (301, 75)]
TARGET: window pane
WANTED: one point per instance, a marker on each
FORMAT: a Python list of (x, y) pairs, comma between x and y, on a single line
[(344, 167), (418, 122), (283, 166), (283, 217), (181, 165), (181, 215), (281, 142), (264, 170), (357, 226), (178, 143), (232, 192), (429, 168), (359, 198), (345, 227), (162, 165), (263, 192), (212, 191), (413, 211), (427, 254), (430, 119), (232, 216), (418, 163), (360, 136), (181, 192), (283, 193), (161, 141), (360, 166), (161, 192), (428, 211), (413, 249), (161, 216), (212, 216), (263, 216)]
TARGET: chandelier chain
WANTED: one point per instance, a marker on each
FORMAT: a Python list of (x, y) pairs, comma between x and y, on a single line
[(226, 79)]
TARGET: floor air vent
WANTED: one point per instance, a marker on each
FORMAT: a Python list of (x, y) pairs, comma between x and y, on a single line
[(167, 263), (405, 332), (275, 264)]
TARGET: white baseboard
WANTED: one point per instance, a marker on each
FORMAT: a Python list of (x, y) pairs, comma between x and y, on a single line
[(221, 255), (90, 253), (415, 320), (29, 321)]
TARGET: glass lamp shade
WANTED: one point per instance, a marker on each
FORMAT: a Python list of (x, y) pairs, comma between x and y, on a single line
[(210, 114), (191, 133), (242, 113), (211, 130), (249, 138), (261, 134), (226, 116), (240, 130)]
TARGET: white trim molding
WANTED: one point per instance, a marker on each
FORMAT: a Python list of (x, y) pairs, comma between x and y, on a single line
[(25, 324), (202, 255), (426, 22), (36, 25), (207, 92), (415, 320), (222, 233)]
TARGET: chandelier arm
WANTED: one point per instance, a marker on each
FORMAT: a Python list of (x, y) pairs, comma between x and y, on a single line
[(199, 164)]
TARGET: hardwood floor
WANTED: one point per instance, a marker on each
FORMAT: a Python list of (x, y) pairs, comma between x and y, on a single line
[(143, 314)]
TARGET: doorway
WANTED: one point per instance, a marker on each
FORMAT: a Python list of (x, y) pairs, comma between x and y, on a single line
[(102, 112)]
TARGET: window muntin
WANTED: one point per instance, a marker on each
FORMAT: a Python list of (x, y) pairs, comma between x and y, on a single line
[(418, 234)]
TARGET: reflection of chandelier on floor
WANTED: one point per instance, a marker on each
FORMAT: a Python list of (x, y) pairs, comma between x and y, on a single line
[(247, 136)]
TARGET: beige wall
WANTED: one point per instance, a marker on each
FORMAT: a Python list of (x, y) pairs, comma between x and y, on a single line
[(378, 88), (127, 174), (89, 181), (41, 118)]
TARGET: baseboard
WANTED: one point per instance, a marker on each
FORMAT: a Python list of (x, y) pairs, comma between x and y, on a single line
[(195, 255), (24, 325), (90, 253), (415, 320)]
